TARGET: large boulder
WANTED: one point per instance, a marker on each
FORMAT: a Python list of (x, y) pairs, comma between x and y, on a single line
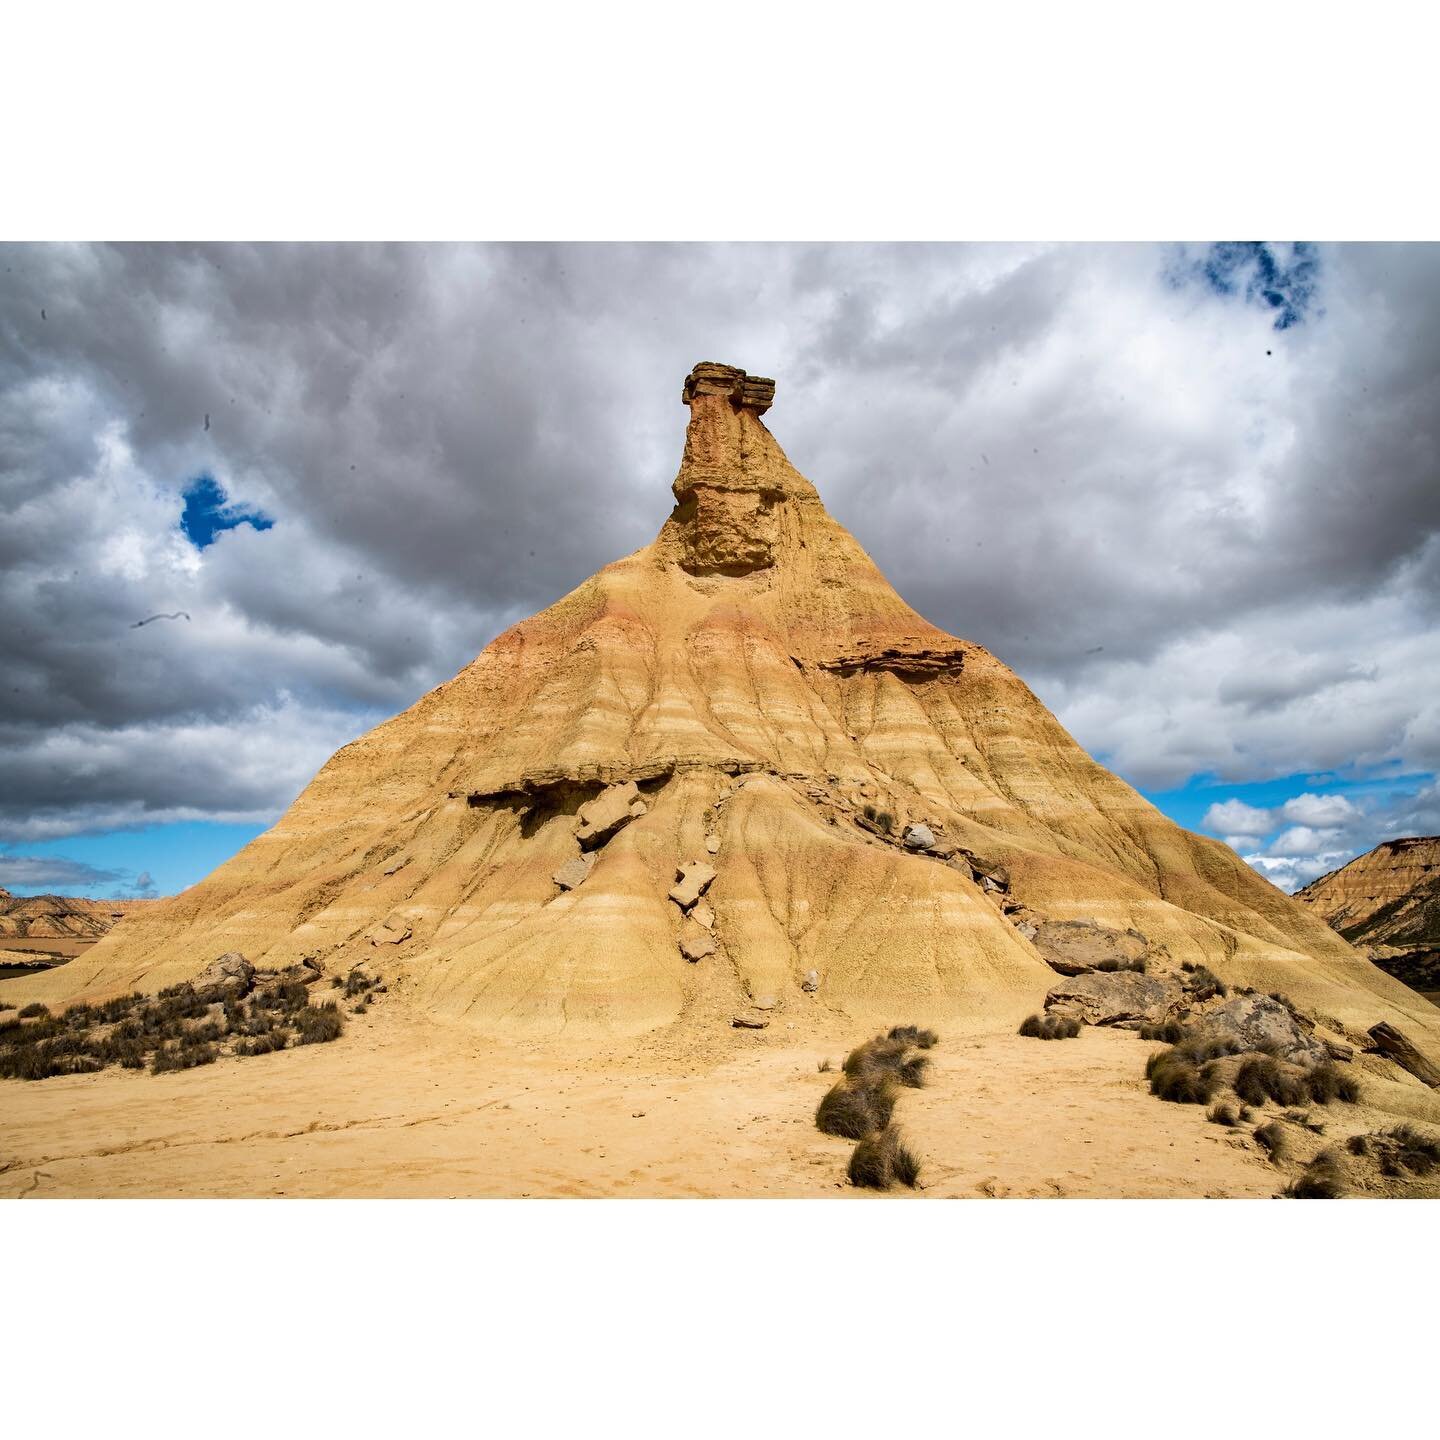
[(614, 807), (1075, 947), (1262, 1022), (231, 968), (1116, 997)]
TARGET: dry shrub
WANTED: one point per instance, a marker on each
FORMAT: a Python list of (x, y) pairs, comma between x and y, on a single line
[(1114, 964), (825, 1067), (1202, 982), (34, 1010), (1327, 1082), (879, 1161), (1224, 1114), (1261, 1078), (1177, 1078), (262, 1044), (875, 1057), (1050, 1027), (853, 1108), (183, 1057), (1401, 1151), (914, 1035), (1272, 1138), (315, 1024), (1322, 1179), (1171, 1032)]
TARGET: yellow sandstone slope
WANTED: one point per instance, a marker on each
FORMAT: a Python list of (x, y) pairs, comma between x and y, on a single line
[(748, 693)]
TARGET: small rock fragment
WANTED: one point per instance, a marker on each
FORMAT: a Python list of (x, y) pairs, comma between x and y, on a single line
[(747, 1022), (573, 871), (696, 946), (692, 882), (810, 981), (765, 1002), (702, 914), (712, 844)]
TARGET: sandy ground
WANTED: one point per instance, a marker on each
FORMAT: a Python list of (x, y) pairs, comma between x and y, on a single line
[(407, 1107)]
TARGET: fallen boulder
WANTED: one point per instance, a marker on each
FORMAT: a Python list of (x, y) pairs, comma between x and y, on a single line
[(1115, 997), (691, 883), (1260, 1022), (231, 968), (918, 837), (613, 808), (1075, 947)]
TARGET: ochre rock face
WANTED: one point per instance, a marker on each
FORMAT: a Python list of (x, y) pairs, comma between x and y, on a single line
[(1389, 896), (784, 717), (60, 917)]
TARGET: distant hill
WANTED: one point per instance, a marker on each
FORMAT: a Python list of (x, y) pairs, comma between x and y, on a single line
[(1388, 901), (59, 917)]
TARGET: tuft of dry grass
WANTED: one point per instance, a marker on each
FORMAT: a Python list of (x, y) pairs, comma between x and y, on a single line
[(1115, 964), (1177, 1078), (1224, 1114), (880, 1161), (914, 1035), (853, 1108), (1272, 1138), (1050, 1027), (1321, 1179), (1172, 1032)]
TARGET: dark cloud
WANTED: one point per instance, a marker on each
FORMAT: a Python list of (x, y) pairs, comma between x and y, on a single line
[(51, 872), (1210, 543)]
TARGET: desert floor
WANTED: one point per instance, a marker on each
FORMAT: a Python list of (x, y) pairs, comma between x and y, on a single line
[(402, 1106)]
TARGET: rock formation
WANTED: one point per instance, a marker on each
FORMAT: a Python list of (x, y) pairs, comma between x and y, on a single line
[(889, 812), (60, 917), (1388, 903)]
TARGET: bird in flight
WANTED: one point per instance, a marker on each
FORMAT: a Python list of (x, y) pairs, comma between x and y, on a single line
[(178, 615)]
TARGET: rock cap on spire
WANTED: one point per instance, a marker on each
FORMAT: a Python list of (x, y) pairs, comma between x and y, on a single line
[(745, 392)]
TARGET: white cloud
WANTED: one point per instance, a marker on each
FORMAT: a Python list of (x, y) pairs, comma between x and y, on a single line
[(1239, 819)]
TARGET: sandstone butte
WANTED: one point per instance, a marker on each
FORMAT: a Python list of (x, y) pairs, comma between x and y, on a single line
[(749, 695)]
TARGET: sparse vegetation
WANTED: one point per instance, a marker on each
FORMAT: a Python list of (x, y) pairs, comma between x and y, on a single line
[(1262, 1077), (1273, 1140), (825, 1067), (1169, 1031), (857, 1106), (914, 1035), (315, 1024), (1328, 1082), (1224, 1114), (1050, 1027), (880, 1161), (1202, 982), (1110, 966), (912, 1072), (180, 1028), (1176, 1077), (1322, 1179), (1401, 1151)]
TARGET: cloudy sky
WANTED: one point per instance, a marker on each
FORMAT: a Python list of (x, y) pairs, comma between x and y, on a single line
[(1192, 494)]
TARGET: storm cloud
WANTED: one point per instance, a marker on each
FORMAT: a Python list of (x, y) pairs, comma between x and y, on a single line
[(1209, 539)]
